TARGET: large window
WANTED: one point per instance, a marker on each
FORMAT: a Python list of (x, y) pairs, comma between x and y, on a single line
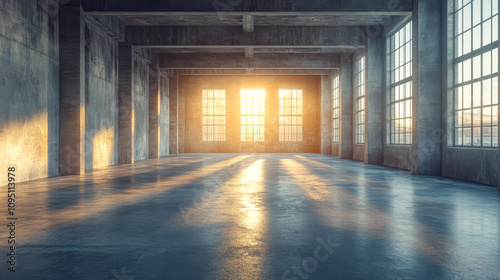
[(359, 108), (252, 114), (476, 73), (290, 128), (400, 85), (336, 109), (214, 115)]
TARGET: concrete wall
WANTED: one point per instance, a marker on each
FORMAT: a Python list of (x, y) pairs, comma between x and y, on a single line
[(164, 119), (101, 98), (29, 88), (141, 107), (311, 86)]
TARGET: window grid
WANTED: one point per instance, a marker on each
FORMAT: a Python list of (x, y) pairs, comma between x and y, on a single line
[(290, 128), (214, 115), (336, 109), (400, 102), (252, 114), (359, 87), (476, 73)]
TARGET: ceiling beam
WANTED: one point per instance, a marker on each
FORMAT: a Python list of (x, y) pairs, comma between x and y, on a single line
[(258, 61), (225, 6), (151, 36), (302, 72), (248, 23)]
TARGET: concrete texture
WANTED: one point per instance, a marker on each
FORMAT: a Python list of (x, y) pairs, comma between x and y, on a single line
[(140, 107), (154, 111), (181, 115), (427, 88), (256, 216), (341, 6), (173, 115), (101, 98), (374, 128), (194, 85), (346, 107), (29, 89), (164, 118), (125, 103), (398, 156), (72, 86)]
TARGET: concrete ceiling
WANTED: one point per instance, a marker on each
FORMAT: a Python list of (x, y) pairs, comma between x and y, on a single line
[(251, 29)]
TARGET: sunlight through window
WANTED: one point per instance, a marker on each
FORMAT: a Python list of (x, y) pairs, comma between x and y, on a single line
[(400, 77), (290, 128), (214, 115), (252, 114), (359, 107), (336, 109), (476, 73)]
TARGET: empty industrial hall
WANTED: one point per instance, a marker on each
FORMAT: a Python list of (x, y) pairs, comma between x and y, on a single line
[(249, 139)]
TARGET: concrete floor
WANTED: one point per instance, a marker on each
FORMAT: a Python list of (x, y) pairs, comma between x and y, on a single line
[(254, 216)]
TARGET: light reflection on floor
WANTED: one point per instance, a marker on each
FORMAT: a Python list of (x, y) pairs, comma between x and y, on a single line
[(255, 216)]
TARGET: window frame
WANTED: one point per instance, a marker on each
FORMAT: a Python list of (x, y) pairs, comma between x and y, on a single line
[(468, 88), (359, 100)]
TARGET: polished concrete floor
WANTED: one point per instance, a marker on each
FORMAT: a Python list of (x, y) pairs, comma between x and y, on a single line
[(254, 216)]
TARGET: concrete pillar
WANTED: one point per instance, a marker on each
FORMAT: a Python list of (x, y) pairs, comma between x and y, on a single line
[(326, 113), (164, 117), (126, 105), (154, 111), (427, 87), (72, 89), (374, 129), (181, 113), (173, 134), (346, 106)]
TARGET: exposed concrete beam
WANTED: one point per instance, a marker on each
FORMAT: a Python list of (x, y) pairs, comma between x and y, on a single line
[(238, 61), (232, 72), (248, 23), (111, 25), (249, 52), (225, 6), (151, 36)]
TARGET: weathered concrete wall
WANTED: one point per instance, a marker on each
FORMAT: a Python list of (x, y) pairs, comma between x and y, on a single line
[(311, 86), (101, 98), (29, 89), (475, 165), (398, 156), (164, 118), (141, 107)]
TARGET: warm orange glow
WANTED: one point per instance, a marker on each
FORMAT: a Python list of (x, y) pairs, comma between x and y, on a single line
[(252, 114), (102, 202), (214, 115), (290, 109), (21, 142), (103, 147), (247, 228)]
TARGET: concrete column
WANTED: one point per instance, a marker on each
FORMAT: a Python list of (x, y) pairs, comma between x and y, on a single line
[(72, 88), (427, 87), (164, 118), (181, 107), (346, 106), (154, 111), (374, 129), (173, 134), (326, 114), (126, 105)]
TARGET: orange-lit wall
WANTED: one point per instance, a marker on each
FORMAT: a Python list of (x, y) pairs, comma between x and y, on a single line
[(194, 85)]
